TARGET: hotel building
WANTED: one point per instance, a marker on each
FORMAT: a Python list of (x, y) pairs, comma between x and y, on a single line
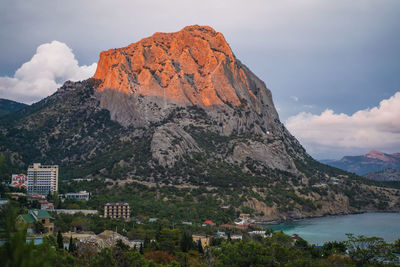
[(42, 179)]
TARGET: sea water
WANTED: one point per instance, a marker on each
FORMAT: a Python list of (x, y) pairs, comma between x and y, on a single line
[(334, 228)]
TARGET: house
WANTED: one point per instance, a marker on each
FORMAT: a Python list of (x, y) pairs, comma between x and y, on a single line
[(221, 235), (81, 195), (37, 216), (230, 226), (243, 219), (3, 201), (19, 181), (37, 197), (236, 237), (260, 233), (45, 205), (16, 195), (208, 222), (204, 240)]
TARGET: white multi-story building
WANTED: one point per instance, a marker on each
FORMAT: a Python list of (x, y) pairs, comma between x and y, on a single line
[(42, 179)]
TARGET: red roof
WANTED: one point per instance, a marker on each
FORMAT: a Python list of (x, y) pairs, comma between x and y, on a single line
[(209, 222)]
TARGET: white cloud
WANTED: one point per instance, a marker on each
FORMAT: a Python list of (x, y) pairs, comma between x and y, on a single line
[(294, 98), (53, 64), (329, 132)]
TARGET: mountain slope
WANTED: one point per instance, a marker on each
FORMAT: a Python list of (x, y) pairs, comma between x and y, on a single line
[(373, 161), (9, 106), (385, 175), (179, 109)]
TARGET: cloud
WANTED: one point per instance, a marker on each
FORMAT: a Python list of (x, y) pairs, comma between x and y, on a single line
[(329, 132), (295, 98), (53, 64)]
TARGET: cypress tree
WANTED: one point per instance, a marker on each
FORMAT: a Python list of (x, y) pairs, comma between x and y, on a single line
[(71, 245), (60, 241)]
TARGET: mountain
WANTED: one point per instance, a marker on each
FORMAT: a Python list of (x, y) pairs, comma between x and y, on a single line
[(386, 175), (178, 117), (373, 161), (9, 106)]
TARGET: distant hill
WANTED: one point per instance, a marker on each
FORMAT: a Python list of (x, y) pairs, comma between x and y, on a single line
[(387, 175), (9, 106), (373, 161)]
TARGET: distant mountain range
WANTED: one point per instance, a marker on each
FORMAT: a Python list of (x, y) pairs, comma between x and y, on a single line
[(9, 106), (373, 161)]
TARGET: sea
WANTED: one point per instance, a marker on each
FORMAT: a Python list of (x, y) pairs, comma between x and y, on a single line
[(334, 228)]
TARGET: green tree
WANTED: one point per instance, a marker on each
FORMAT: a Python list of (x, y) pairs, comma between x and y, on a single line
[(186, 241), (60, 241), (103, 258), (397, 246), (200, 247), (71, 247), (365, 250)]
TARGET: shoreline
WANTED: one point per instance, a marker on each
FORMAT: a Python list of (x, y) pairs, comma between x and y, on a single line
[(280, 221)]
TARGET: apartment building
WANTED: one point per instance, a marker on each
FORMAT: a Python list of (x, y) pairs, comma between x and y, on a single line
[(116, 210), (42, 179)]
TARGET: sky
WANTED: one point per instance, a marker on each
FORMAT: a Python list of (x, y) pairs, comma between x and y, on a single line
[(333, 66)]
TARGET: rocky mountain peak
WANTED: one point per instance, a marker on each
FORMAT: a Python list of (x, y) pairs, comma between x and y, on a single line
[(193, 66), (374, 154)]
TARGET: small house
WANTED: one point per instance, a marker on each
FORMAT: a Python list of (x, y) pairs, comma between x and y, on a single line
[(208, 223), (36, 216)]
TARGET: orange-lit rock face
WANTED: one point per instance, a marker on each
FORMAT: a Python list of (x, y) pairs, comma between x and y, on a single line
[(193, 66)]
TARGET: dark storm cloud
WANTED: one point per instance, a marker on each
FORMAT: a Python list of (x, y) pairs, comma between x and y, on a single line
[(335, 54)]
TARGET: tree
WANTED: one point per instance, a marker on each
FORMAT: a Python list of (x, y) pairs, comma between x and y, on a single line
[(200, 247), (39, 228), (60, 241), (71, 245), (104, 258), (333, 247), (364, 250), (397, 246), (186, 242), (159, 256)]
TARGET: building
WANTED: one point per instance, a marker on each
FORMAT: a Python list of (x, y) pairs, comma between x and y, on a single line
[(208, 223), (42, 179), (236, 237), (220, 235), (37, 216), (19, 181), (82, 195), (116, 210), (260, 233), (45, 205), (3, 201), (204, 240), (72, 212)]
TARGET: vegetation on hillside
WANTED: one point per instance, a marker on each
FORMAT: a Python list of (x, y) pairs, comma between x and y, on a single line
[(167, 246)]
